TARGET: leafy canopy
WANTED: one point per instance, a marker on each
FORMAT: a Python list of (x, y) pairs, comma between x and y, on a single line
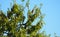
[(13, 24)]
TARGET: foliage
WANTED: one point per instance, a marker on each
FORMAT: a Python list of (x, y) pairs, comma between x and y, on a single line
[(13, 24)]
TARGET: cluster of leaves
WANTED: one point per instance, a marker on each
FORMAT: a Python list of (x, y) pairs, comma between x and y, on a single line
[(13, 24)]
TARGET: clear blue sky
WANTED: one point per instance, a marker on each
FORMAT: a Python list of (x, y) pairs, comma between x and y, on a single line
[(50, 7)]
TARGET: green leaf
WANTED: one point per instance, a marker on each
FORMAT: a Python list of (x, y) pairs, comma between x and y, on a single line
[(27, 3)]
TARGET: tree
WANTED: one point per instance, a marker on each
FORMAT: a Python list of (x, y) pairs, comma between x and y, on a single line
[(13, 24)]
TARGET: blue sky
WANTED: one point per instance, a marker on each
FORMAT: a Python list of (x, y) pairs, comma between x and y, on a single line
[(50, 7)]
